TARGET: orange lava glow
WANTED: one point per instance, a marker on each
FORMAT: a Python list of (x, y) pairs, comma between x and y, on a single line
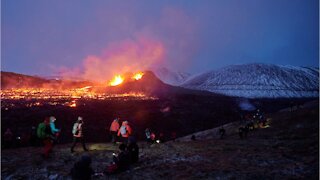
[(73, 103), (137, 76), (116, 80)]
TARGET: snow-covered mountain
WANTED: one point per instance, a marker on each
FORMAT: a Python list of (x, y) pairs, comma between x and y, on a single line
[(170, 77), (259, 81)]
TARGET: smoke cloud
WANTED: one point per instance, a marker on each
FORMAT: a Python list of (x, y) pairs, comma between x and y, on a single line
[(166, 41), (126, 56)]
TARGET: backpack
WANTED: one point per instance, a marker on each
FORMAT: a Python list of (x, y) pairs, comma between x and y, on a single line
[(41, 131), (123, 130), (75, 128)]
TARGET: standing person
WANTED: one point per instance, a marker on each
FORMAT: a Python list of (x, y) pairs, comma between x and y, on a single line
[(33, 136), (44, 133), (148, 135), (114, 128), (125, 131), (222, 131), (77, 132), (241, 132), (54, 130)]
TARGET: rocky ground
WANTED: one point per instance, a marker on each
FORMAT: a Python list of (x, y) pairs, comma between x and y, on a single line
[(288, 149)]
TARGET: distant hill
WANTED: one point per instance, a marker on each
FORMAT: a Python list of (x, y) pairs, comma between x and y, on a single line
[(15, 80), (259, 81), (170, 77)]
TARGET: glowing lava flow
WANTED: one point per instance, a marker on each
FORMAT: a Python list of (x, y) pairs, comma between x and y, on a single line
[(116, 80), (137, 76)]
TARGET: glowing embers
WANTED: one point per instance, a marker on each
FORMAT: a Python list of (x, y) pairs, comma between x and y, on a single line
[(116, 80), (137, 76)]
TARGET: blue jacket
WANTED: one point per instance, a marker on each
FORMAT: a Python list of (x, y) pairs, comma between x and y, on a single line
[(53, 128)]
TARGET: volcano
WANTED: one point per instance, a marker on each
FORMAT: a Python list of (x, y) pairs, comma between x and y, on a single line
[(149, 84)]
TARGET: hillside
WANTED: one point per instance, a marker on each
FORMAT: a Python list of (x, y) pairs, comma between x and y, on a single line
[(170, 77), (288, 149), (14, 80), (259, 81)]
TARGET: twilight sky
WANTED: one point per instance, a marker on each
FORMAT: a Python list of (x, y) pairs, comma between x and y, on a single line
[(100, 38)]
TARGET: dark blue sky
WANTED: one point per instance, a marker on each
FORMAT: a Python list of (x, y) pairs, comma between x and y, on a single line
[(91, 37)]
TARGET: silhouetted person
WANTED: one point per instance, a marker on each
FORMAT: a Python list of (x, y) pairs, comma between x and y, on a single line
[(193, 137), (148, 135), (241, 131), (82, 169), (222, 131), (133, 149), (251, 125), (121, 161), (246, 131), (34, 141)]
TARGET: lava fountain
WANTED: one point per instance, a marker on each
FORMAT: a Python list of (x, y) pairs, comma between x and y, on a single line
[(137, 76), (118, 79)]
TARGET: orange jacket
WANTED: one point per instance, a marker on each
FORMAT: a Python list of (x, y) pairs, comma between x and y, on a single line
[(128, 130), (114, 126)]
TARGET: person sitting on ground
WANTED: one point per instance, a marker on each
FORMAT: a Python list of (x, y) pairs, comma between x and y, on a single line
[(121, 161), (82, 169), (133, 149)]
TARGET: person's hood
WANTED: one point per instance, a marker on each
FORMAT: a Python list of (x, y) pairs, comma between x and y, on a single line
[(52, 118)]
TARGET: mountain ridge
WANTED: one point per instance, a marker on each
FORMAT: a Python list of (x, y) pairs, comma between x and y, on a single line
[(258, 81)]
